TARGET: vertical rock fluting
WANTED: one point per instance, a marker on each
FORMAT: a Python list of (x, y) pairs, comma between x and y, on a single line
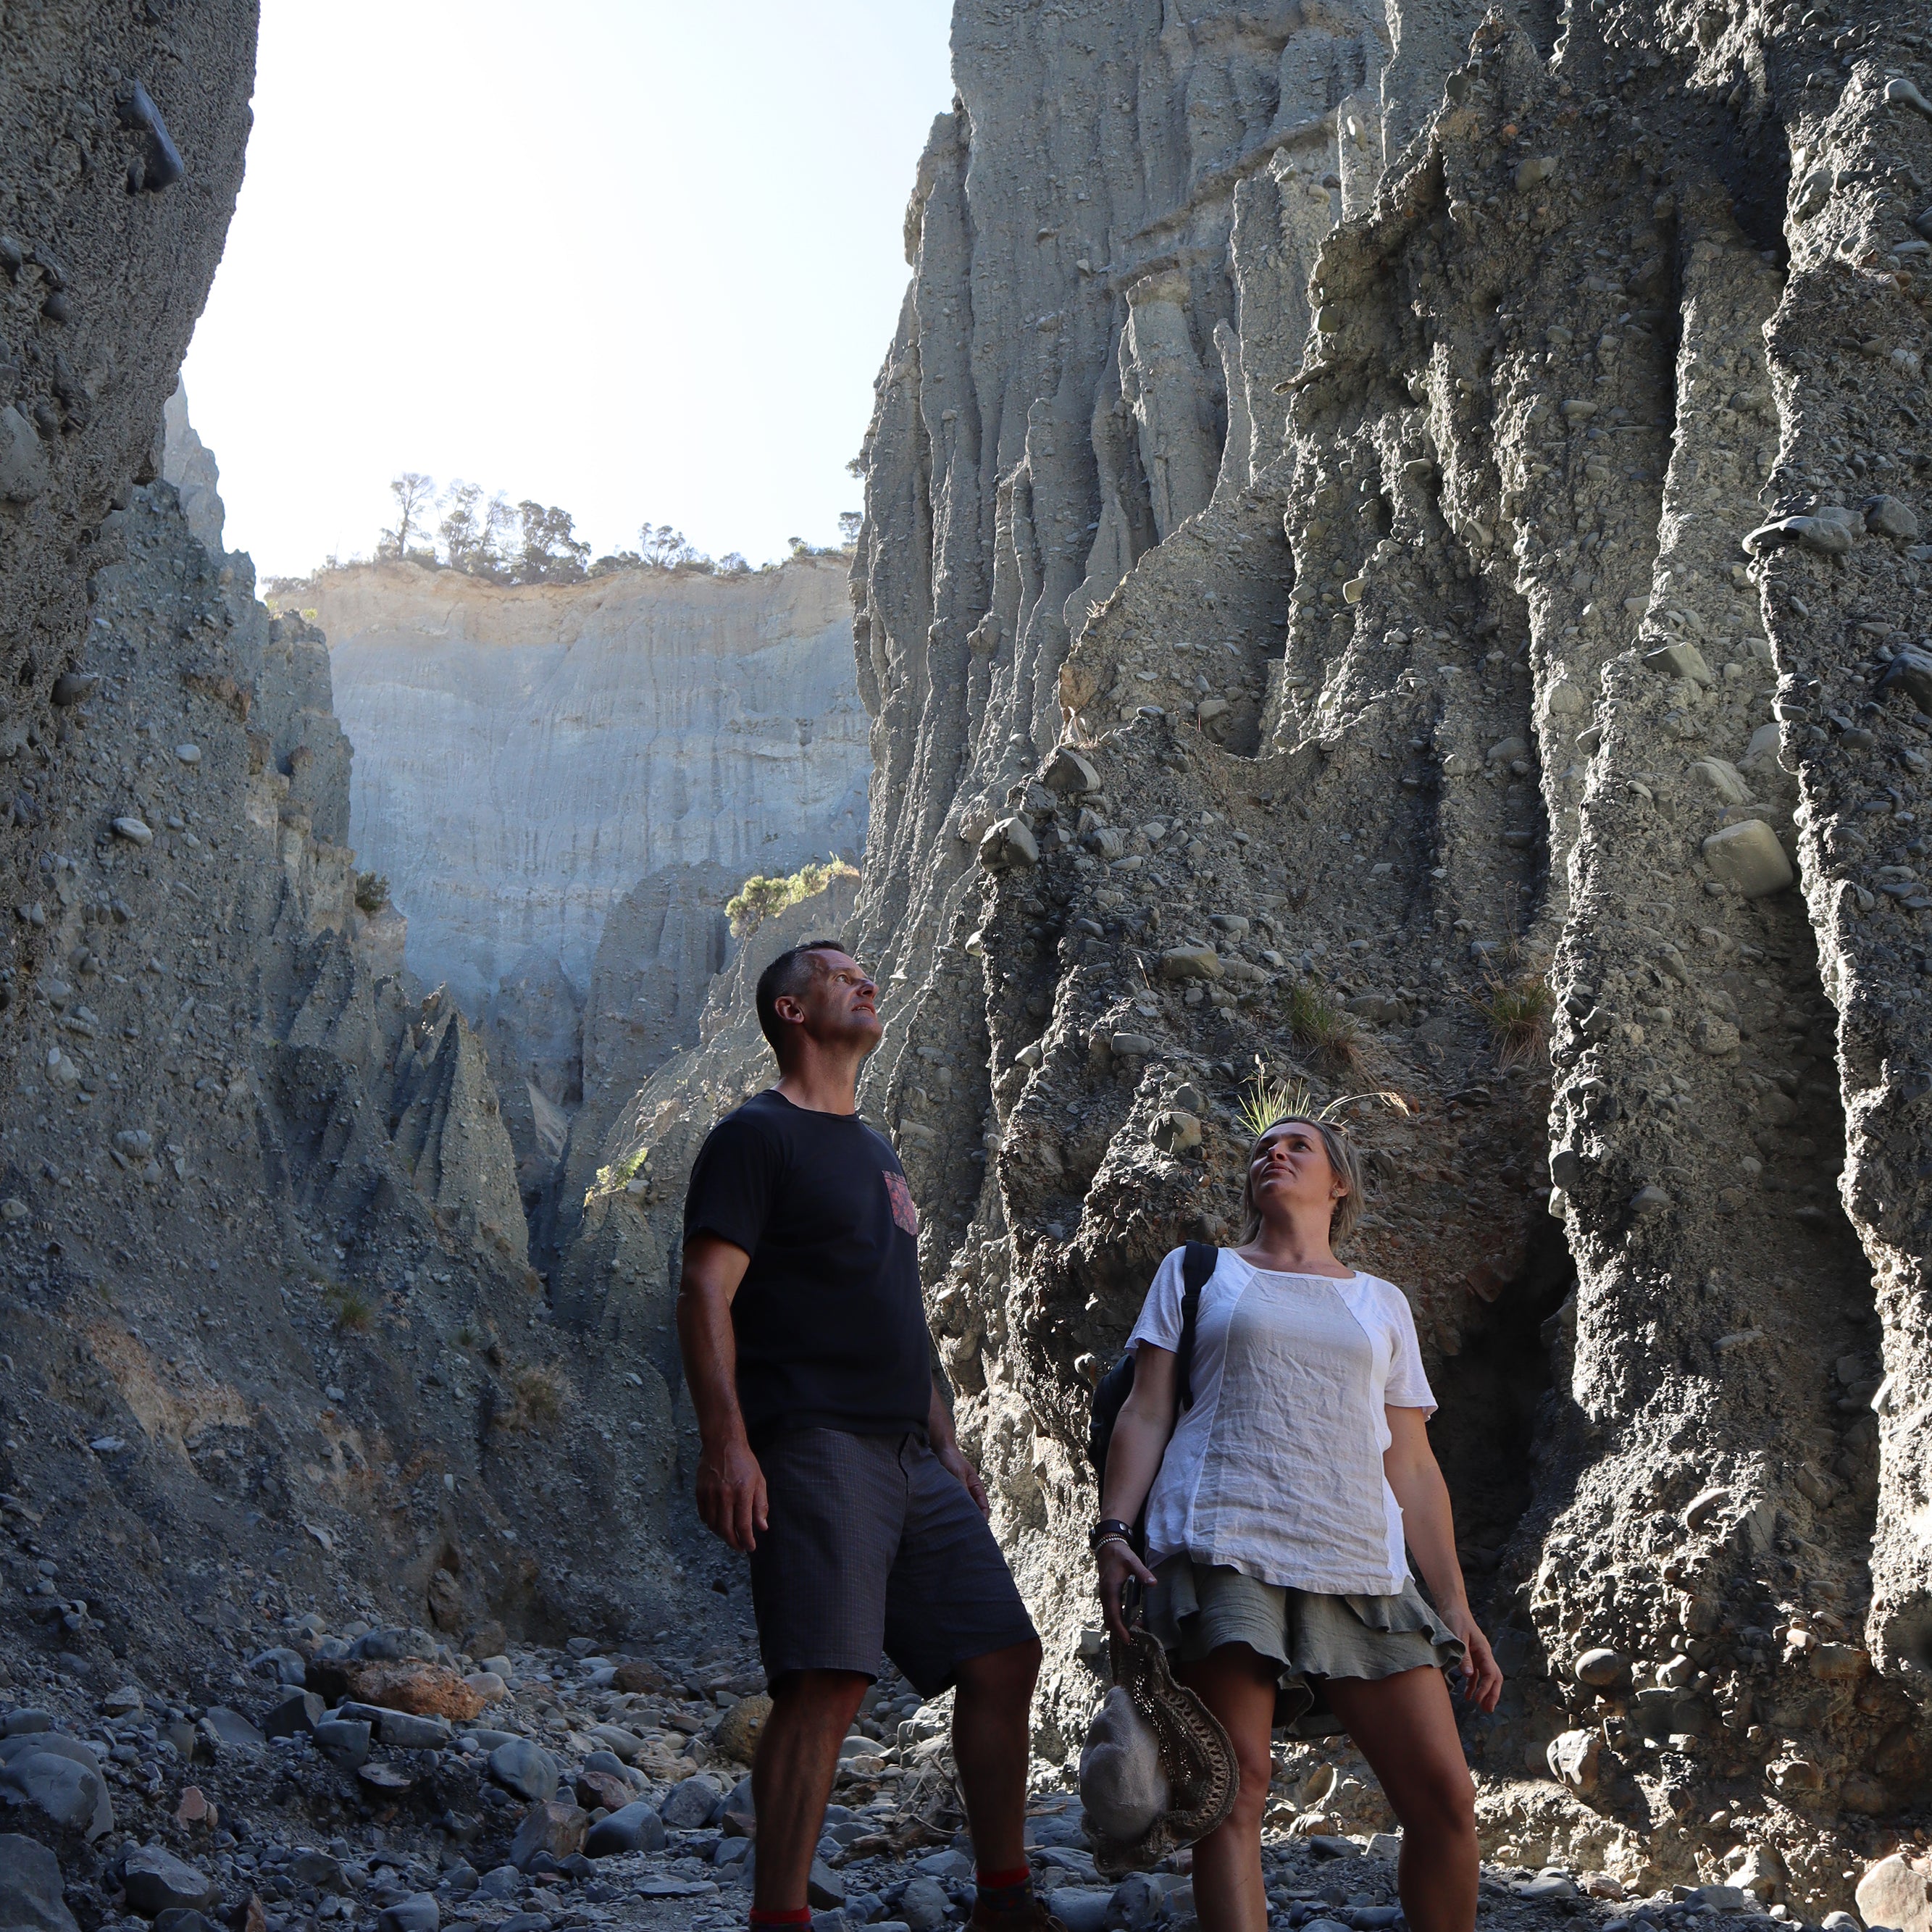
[(1458, 514)]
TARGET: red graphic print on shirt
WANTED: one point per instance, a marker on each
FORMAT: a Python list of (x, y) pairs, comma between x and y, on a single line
[(903, 1211)]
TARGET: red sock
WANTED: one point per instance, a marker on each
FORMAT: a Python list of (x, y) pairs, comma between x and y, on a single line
[(801, 1916), (1004, 1890)]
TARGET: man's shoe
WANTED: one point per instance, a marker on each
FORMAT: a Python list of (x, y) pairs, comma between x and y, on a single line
[(1029, 1916)]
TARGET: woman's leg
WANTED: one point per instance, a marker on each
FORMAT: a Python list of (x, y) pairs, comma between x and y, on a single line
[(1237, 1685), (1404, 1726)]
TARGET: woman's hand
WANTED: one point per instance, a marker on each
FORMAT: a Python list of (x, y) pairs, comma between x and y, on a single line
[(1482, 1678), (1117, 1564)]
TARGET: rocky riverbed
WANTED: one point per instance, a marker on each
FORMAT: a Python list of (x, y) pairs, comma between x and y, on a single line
[(377, 1780)]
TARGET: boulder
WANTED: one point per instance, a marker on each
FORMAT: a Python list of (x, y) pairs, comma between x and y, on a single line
[(623, 1745), (343, 1741), (556, 1828), (1068, 773), (1748, 856), (739, 1729), (924, 1905), (1190, 962), (299, 1711), (422, 1690), (1009, 843), (525, 1769), (416, 1913), (228, 1730), (690, 1805), (635, 1827), (1892, 1894), (395, 1645), (637, 1674), (30, 1895), (401, 1731), (596, 1788), (49, 1774), (155, 1880)]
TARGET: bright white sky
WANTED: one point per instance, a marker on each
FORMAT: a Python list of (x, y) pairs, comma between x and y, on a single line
[(638, 258)]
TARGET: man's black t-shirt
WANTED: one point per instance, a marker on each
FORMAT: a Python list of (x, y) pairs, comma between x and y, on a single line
[(830, 1327)]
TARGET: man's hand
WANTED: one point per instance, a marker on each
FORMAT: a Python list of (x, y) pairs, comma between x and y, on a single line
[(731, 1493), (952, 1457)]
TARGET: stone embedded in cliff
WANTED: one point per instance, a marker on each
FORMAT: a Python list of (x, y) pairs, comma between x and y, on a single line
[(1748, 856)]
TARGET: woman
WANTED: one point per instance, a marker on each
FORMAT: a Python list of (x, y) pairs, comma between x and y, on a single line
[(1277, 1509)]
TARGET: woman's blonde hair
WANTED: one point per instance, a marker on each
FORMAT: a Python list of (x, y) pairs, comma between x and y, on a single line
[(1345, 1163)]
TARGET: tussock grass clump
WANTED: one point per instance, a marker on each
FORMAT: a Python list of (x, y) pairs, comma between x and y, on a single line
[(354, 1314), (538, 1391), (1518, 1013), (1320, 1026), (1269, 1097), (759, 897)]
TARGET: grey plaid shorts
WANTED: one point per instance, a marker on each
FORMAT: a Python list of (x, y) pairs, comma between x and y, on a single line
[(873, 1546)]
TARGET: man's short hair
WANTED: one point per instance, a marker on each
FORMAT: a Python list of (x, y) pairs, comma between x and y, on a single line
[(786, 977)]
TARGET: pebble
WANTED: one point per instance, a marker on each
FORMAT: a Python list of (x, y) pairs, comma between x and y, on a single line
[(136, 831), (189, 754)]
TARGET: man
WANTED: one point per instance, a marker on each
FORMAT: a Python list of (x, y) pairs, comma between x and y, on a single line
[(827, 1453)]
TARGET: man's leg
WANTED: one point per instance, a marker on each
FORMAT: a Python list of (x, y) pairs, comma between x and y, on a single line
[(992, 1716), (952, 1615), (791, 1779)]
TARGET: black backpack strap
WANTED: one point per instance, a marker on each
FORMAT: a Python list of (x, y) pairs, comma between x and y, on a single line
[(1197, 1266)]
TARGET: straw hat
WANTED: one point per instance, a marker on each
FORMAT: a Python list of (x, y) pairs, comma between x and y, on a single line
[(1158, 1771)]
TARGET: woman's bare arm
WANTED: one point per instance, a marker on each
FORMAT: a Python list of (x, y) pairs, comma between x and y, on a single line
[(1141, 1431), (1430, 1526)]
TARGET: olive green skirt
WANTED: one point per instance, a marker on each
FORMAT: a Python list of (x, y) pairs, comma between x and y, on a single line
[(1195, 1608)]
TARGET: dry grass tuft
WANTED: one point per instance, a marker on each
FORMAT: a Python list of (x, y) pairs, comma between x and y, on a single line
[(1518, 1013), (1320, 1027)]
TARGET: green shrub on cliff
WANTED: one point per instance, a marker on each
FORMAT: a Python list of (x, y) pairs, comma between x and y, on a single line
[(759, 896)]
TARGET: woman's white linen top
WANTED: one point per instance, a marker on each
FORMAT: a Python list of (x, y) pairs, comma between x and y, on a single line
[(1277, 1470)]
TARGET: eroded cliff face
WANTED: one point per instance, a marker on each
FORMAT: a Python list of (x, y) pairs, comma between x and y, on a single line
[(265, 1249), (1456, 512), (543, 770)]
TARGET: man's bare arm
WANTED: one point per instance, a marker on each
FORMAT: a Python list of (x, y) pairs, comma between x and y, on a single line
[(946, 1446), (730, 1485)]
